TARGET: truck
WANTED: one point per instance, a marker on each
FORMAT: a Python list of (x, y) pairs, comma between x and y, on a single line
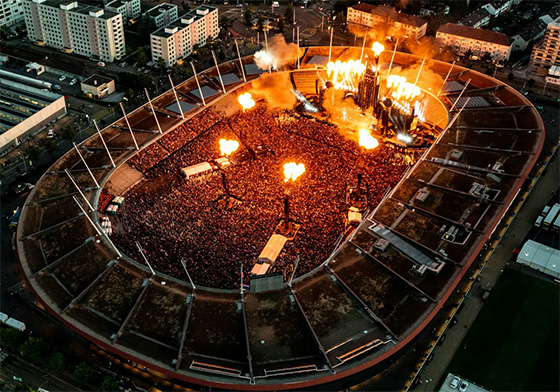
[(545, 211), (538, 222), (556, 223), (15, 324), (551, 216)]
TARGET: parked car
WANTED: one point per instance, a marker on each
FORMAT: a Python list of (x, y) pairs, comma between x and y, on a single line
[(464, 386), (50, 134), (455, 382), (62, 77), (22, 187), (73, 82), (101, 63), (57, 87)]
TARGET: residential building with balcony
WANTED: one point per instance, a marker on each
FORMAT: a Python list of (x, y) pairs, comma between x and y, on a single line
[(162, 14), (397, 23), (546, 53), (11, 12), (128, 9)]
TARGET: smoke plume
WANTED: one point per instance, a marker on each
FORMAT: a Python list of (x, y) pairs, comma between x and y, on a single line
[(276, 88), (279, 53)]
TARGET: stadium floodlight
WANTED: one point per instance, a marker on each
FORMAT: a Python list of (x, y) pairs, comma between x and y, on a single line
[(176, 97), (188, 275), (392, 57), (419, 71), (129, 127), (298, 64), (240, 62), (331, 28), (153, 111), (145, 259), (79, 190), (87, 167), (104, 144), (294, 271), (447, 77), (198, 84), (266, 49), (364, 46), (460, 95), (219, 74)]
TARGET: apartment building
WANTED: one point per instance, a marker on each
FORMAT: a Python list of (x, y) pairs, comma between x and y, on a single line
[(176, 40), (162, 14), (128, 9), (477, 41), (11, 11), (397, 23), (74, 28), (546, 53)]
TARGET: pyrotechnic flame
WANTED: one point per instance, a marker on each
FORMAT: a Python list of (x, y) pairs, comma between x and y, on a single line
[(293, 170), (401, 88), (246, 101), (344, 75), (228, 147), (367, 141), (377, 48), (264, 60)]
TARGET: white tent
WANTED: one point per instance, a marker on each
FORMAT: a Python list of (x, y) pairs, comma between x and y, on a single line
[(540, 257), (197, 169), (273, 248)]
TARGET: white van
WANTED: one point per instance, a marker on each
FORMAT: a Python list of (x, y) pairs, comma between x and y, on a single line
[(539, 220), (545, 210)]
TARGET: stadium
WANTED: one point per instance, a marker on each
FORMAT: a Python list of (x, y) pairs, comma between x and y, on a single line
[(180, 241)]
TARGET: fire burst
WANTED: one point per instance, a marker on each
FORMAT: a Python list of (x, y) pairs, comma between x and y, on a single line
[(377, 48), (246, 101), (401, 88), (343, 75), (293, 170), (366, 140), (227, 147)]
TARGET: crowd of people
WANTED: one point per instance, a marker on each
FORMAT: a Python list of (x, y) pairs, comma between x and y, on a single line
[(176, 218)]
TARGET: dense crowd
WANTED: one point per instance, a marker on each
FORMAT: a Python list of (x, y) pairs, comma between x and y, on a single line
[(175, 218)]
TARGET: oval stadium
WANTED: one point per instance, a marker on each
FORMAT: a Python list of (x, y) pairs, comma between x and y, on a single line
[(281, 223)]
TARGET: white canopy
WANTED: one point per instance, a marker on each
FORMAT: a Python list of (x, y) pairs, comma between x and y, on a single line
[(540, 257), (196, 169), (273, 248)]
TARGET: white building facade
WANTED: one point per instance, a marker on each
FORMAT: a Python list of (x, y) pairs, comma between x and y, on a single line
[(162, 14), (546, 53), (75, 28), (11, 12), (478, 41), (400, 24), (176, 40), (128, 9)]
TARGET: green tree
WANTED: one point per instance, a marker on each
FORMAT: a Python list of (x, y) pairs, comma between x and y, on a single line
[(32, 350), (468, 54), (260, 23), (487, 57), (248, 15), (57, 362), (34, 153), (531, 83), (142, 56), (280, 26), (68, 133), (83, 372), (51, 147), (339, 19), (109, 384), (185, 6), (289, 13), (11, 339), (161, 64)]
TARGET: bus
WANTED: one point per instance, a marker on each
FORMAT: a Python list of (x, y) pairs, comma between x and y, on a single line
[(551, 215)]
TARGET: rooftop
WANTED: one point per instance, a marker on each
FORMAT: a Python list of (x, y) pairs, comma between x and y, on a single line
[(390, 13), (97, 80), (474, 17), (192, 14), (477, 34)]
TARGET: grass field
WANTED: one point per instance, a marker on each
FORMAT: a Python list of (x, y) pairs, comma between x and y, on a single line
[(513, 344)]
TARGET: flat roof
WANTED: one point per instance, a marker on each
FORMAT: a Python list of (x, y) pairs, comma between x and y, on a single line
[(478, 34), (179, 22), (96, 80)]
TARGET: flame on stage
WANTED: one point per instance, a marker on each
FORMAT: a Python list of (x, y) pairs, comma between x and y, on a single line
[(345, 75), (366, 140), (293, 170), (377, 48), (228, 147), (401, 88), (246, 101)]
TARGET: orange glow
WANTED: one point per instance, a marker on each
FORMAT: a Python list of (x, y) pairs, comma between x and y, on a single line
[(293, 170), (367, 141), (228, 147), (377, 48), (345, 75), (401, 88), (246, 101)]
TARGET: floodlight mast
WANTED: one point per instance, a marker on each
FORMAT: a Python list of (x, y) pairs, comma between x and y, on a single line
[(86, 165), (447, 77), (219, 74), (145, 259), (79, 190), (294, 271), (153, 111), (129, 127), (198, 84), (188, 275), (176, 97), (240, 61), (104, 144)]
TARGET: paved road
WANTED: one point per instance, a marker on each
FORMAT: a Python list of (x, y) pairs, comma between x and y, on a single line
[(31, 375)]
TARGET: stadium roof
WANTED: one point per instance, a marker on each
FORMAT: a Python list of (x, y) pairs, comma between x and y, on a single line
[(477, 34)]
